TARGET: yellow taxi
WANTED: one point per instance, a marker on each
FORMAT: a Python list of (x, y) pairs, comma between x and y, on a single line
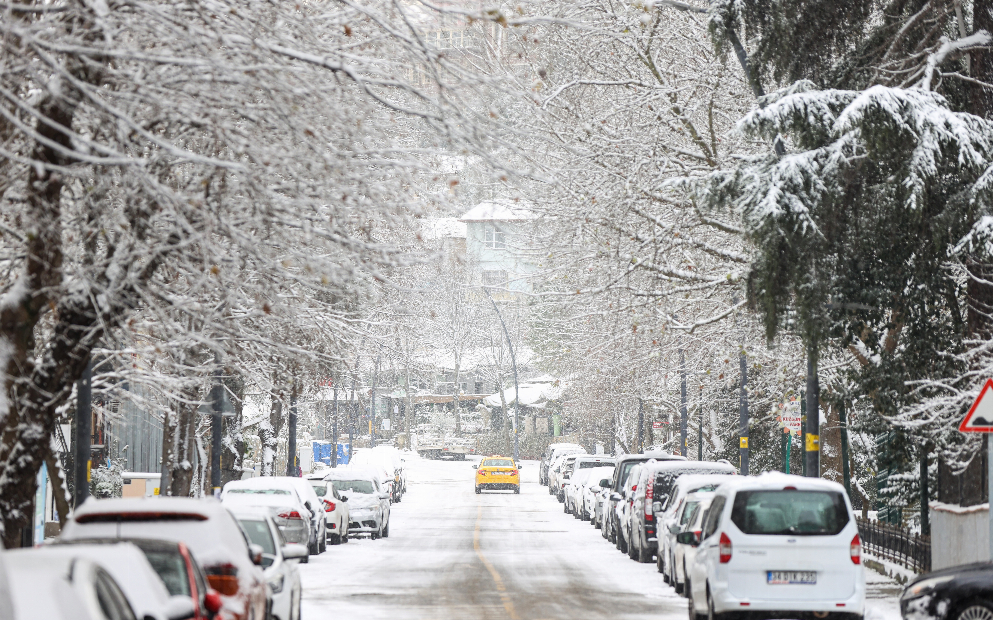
[(497, 472)]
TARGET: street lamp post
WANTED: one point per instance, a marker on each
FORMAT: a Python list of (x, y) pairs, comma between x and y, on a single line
[(513, 362)]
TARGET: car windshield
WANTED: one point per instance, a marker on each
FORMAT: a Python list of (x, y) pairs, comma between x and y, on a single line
[(498, 463), (171, 568), (790, 512), (355, 486), (259, 491), (259, 534), (592, 464), (320, 488)]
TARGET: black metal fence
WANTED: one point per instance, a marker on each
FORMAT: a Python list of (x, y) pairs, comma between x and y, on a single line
[(896, 544)]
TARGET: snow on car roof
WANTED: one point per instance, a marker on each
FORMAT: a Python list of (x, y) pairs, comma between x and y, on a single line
[(351, 473), (688, 466), (774, 480), (125, 562)]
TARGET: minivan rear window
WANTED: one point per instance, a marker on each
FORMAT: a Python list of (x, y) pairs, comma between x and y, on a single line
[(790, 512)]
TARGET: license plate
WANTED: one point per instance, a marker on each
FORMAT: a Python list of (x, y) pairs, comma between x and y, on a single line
[(784, 577)]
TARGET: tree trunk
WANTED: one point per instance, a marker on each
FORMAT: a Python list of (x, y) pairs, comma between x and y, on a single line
[(503, 416), (269, 435), (409, 411), (455, 399), (178, 446), (233, 442)]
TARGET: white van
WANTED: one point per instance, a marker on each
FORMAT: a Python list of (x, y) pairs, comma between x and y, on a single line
[(777, 546)]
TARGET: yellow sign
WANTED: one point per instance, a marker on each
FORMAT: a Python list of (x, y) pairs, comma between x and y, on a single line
[(89, 465), (744, 443), (155, 491), (813, 443)]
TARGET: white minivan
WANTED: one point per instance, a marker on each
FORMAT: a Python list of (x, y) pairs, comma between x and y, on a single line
[(777, 545)]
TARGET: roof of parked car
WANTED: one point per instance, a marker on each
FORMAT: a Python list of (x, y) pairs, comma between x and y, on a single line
[(775, 480), (687, 466)]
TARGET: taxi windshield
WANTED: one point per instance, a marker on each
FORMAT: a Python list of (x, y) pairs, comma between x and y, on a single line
[(498, 463)]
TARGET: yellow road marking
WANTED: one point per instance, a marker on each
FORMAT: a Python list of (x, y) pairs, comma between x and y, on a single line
[(504, 596)]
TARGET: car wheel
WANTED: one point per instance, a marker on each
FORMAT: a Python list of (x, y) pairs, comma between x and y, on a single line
[(692, 608), (633, 546), (975, 610), (517, 490), (305, 560), (478, 491), (374, 535), (295, 607), (323, 544), (660, 564), (386, 530), (622, 545)]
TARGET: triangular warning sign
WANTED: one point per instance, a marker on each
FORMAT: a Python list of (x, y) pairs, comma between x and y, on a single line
[(980, 416)]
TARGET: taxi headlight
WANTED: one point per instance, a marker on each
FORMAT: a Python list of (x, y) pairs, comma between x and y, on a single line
[(925, 586)]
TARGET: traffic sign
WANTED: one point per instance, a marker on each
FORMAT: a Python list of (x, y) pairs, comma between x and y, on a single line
[(980, 416)]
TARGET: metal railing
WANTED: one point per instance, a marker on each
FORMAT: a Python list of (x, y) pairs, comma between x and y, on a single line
[(896, 544)]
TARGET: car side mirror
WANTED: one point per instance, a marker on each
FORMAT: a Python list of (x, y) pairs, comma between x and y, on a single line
[(520, 467), (674, 528), (343, 498), (384, 496), (475, 466), (309, 507), (615, 496), (605, 483), (212, 601), (255, 552), (179, 608), (688, 538), (293, 551), (656, 507)]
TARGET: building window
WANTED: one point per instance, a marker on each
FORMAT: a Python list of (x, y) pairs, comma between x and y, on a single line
[(493, 238), (450, 39), (494, 278)]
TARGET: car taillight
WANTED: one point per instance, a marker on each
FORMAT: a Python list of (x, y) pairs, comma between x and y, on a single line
[(482, 472), (856, 550), (649, 496), (329, 506), (725, 548), (292, 514), (513, 472), (634, 488), (223, 578)]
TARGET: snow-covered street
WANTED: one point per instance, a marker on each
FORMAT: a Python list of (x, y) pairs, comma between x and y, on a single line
[(455, 555)]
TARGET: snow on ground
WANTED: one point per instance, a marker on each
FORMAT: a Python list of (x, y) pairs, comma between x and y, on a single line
[(452, 554)]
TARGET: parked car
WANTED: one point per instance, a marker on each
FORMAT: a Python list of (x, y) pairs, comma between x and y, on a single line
[(207, 529), (956, 593), (767, 540), (623, 510), (691, 520), (279, 562), (175, 565), (621, 470), (555, 470), (550, 453), (654, 486), (34, 586), (288, 507), (141, 586), (335, 509), (391, 457), (592, 495), (368, 503), (373, 462), (573, 491), (584, 462), (563, 473), (669, 520)]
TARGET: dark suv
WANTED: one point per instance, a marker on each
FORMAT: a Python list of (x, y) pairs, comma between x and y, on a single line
[(621, 471), (656, 481)]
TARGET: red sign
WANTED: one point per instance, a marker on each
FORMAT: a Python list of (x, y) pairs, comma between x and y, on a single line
[(658, 424), (980, 416)]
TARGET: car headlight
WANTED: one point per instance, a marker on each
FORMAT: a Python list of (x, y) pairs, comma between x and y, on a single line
[(276, 584), (925, 586)]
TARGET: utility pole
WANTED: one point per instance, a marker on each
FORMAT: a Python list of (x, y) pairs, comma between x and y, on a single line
[(641, 426), (291, 457), (513, 362), (81, 438), (682, 408), (803, 431), (846, 474), (334, 426), (699, 438), (372, 412), (216, 429), (743, 414), (812, 442)]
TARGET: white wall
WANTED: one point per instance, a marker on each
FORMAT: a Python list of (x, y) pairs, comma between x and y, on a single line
[(959, 535)]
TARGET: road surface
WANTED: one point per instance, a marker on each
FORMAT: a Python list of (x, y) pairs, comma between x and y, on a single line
[(455, 555)]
